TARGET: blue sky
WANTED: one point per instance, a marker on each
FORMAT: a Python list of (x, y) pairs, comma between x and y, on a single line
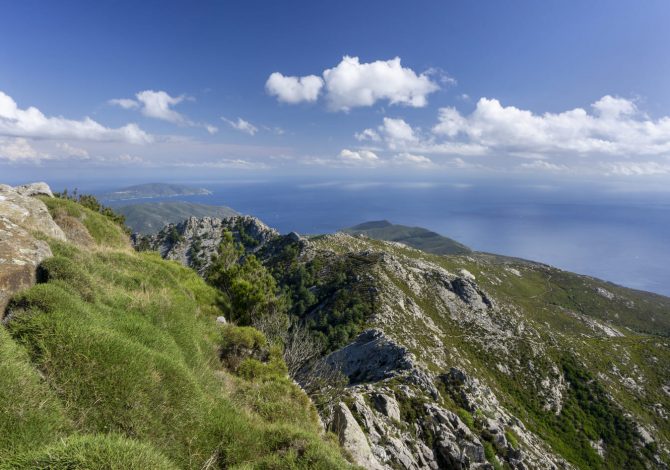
[(555, 89)]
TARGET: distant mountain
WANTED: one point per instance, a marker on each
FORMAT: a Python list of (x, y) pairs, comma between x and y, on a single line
[(150, 217), (416, 237), (153, 190)]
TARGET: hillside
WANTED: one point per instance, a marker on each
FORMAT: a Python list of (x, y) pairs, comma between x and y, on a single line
[(468, 361), (150, 217), (115, 359), (415, 237), (153, 190)]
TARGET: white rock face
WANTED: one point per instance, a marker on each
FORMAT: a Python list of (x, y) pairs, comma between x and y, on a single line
[(27, 212), (353, 439), (20, 251), (34, 189)]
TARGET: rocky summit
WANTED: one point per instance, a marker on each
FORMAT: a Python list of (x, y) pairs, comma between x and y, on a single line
[(470, 360)]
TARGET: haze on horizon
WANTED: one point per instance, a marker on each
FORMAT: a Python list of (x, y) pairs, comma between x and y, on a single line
[(560, 91)]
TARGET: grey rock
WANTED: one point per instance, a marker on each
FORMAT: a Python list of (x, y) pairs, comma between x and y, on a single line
[(387, 405), (352, 438), (371, 357), (34, 189)]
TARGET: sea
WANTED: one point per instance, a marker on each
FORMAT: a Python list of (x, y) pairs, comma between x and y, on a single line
[(618, 236)]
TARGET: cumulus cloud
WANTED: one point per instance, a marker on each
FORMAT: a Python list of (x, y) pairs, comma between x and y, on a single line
[(397, 132), (352, 84), (159, 105), (294, 89), (31, 122), (19, 150), (410, 159), (614, 127), (368, 134), (242, 125), (365, 157)]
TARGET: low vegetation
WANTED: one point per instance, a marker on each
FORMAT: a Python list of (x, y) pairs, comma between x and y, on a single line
[(115, 360)]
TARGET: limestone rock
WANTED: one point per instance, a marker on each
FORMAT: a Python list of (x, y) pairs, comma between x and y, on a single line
[(20, 253), (353, 439), (27, 212), (371, 357), (34, 189)]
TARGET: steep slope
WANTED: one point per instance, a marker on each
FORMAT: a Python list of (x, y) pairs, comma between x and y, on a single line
[(150, 217), (476, 360), (115, 359), (416, 237)]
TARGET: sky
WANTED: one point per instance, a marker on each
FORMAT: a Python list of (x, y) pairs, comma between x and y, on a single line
[(563, 90)]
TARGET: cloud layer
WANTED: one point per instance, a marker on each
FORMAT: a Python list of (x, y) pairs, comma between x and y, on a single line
[(31, 122), (352, 84)]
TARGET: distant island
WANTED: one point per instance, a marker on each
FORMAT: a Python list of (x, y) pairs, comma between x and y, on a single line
[(415, 237), (153, 190), (150, 217)]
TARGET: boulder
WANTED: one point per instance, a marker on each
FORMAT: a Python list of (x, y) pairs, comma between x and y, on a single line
[(34, 189), (20, 253), (352, 438), (371, 357), (28, 213), (387, 405)]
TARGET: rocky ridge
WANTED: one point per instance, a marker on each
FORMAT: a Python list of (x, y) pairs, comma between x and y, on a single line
[(434, 378)]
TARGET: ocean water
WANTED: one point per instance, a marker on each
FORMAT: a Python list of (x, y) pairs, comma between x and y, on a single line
[(619, 237)]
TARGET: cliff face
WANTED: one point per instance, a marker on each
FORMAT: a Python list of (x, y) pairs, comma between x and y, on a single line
[(476, 361)]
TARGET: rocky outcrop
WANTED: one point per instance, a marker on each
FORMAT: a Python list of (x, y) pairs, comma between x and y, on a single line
[(352, 438), (21, 217), (194, 241), (371, 357)]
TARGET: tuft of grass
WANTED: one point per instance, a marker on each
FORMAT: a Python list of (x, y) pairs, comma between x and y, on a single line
[(103, 230), (111, 452)]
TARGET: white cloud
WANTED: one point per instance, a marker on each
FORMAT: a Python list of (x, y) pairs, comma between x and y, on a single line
[(543, 165), (368, 134), (72, 151), (358, 157), (19, 150), (31, 122), (294, 89), (242, 125), (614, 128), (352, 84), (637, 168), (397, 132), (124, 103), (158, 105), (410, 159)]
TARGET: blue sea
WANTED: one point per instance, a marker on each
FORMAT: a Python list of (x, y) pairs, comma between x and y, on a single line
[(616, 236)]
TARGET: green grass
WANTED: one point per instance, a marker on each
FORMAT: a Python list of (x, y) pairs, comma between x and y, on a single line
[(98, 226), (112, 361)]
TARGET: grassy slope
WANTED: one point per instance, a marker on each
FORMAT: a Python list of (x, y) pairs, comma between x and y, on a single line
[(111, 361), (150, 217), (416, 237)]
